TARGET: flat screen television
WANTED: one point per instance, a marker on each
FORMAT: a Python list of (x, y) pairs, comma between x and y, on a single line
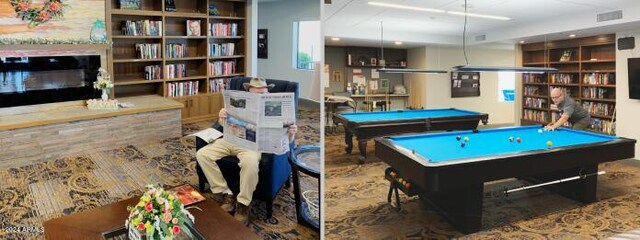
[(634, 78)]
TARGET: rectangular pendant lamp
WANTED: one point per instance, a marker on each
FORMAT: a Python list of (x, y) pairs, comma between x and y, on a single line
[(535, 70), (408, 70)]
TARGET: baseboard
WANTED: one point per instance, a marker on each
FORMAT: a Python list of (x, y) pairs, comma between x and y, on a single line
[(308, 103)]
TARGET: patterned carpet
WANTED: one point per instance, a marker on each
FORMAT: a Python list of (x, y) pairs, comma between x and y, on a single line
[(32, 194), (355, 196)]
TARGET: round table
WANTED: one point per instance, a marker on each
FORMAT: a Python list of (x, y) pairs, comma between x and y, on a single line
[(306, 159)]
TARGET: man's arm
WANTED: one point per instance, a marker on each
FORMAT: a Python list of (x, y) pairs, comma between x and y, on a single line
[(563, 119)]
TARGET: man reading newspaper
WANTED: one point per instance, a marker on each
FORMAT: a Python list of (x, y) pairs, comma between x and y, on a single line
[(249, 159)]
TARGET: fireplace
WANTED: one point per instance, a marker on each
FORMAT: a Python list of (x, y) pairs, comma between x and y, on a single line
[(47, 79)]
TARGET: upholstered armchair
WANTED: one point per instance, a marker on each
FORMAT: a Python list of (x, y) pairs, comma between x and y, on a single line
[(275, 170)]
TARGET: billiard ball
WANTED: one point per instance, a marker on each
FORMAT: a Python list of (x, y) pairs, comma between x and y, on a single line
[(393, 174), (462, 144), (466, 139), (458, 138), (539, 130), (549, 144), (407, 185), (518, 139), (510, 139)]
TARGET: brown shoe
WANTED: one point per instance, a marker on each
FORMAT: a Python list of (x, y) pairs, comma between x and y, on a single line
[(229, 203), (242, 213), (218, 197)]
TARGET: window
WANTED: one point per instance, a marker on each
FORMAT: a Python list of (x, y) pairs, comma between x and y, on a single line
[(506, 86), (308, 48)]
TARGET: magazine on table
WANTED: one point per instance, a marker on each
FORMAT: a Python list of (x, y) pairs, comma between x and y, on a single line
[(187, 194), (259, 122)]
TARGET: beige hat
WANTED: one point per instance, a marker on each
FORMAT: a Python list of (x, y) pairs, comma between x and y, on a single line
[(257, 83)]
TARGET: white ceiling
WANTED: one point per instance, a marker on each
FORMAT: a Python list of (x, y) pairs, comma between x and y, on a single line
[(358, 23)]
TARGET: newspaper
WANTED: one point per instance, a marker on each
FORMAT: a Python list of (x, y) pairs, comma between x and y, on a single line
[(259, 122)]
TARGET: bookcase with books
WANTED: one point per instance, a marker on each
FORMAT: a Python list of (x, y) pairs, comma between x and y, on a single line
[(185, 50), (586, 73)]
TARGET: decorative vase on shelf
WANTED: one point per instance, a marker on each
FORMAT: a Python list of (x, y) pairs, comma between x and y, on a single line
[(105, 95)]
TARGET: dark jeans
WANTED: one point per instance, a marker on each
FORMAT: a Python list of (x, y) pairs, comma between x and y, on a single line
[(582, 124)]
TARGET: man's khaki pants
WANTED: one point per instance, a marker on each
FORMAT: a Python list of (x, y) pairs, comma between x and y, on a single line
[(249, 162)]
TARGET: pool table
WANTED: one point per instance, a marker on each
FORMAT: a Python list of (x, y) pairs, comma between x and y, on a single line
[(451, 177), (367, 125)]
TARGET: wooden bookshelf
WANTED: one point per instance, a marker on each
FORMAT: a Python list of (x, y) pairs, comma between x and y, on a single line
[(587, 73), (196, 54)]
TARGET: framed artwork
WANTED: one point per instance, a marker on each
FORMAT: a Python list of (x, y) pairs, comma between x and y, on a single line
[(337, 76), (262, 43)]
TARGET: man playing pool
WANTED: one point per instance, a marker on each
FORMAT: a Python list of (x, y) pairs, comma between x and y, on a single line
[(571, 111)]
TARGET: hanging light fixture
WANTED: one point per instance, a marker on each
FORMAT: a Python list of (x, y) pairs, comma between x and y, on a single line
[(400, 70), (466, 67)]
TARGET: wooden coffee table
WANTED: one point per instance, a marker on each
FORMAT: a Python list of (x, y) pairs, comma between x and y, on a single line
[(212, 222)]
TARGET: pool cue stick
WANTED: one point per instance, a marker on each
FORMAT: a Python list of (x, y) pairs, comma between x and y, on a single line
[(613, 118), (507, 191)]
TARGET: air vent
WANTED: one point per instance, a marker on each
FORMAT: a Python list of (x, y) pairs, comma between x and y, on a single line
[(481, 38), (608, 16)]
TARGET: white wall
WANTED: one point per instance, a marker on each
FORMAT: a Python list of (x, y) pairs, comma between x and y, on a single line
[(438, 87), (278, 17), (628, 110)]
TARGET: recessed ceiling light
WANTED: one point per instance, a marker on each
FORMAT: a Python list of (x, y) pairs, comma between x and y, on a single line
[(479, 15), (406, 7), (398, 43), (572, 35), (521, 41), (335, 39)]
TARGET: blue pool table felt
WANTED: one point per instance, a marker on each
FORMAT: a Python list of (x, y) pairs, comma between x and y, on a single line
[(442, 147), (406, 114)]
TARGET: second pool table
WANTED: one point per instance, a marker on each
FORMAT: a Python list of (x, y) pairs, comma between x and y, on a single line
[(450, 176), (367, 125)]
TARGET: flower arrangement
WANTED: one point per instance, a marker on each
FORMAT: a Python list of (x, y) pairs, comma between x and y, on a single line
[(27, 11), (158, 215), (104, 80)]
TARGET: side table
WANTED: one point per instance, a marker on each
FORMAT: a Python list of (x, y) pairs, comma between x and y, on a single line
[(306, 159)]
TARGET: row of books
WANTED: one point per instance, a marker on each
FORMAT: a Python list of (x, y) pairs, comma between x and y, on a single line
[(223, 29), (532, 90), (175, 70), (535, 102), (217, 68), (178, 89), (604, 109), (148, 50), (563, 78), (599, 78), (532, 78), (603, 125), (219, 84), (535, 115), (595, 92), (221, 49), (176, 50), (142, 28), (152, 72)]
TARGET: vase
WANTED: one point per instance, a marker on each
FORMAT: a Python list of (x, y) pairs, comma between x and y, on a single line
[(105, 95)]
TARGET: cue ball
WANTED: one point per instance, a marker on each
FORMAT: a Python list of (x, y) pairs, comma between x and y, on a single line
[(458, 138), (462, 144), (518, 139), (549, 143), (539, 130), (510, 139), (466, 139)]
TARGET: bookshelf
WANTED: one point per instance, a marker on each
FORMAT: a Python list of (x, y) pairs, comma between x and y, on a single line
[(586, 73), (154, 54)]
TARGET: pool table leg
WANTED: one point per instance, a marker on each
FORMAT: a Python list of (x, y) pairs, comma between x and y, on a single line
[(582, 190), (461, 206), (362, 146), (348, 140)]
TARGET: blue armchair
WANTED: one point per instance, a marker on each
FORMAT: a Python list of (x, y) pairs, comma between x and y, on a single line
[(275, 170)]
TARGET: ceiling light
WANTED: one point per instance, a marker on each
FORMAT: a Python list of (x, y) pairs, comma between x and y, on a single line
[(572, 35), (521, 41), (405, 70), (398, 43), (406, 7), (534, 70), (335, 39), (479, 15)]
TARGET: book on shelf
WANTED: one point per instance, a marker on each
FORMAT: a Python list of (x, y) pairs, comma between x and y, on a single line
[(152, 72), (130, 4), (141, 28), (187, 194), (223, 29), (193, 27), (217, 68)]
